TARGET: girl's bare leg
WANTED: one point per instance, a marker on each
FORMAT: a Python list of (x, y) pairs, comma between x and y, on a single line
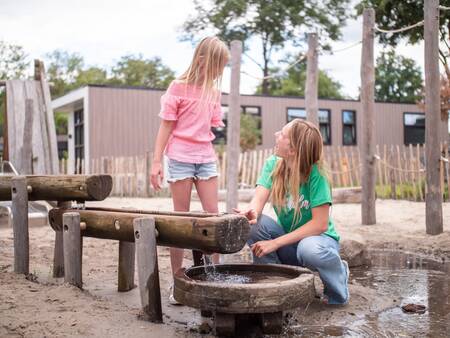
[(208, 193), (181, 196)]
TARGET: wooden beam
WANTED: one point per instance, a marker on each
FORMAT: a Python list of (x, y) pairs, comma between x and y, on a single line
[(368, 119), (433, 198), (62, 187), (312, 81), (20, 224), (234, 126), (148, 273), (223, 234)]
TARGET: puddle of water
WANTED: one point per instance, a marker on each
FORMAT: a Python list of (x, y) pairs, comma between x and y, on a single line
[(242, 277), (407, 279)]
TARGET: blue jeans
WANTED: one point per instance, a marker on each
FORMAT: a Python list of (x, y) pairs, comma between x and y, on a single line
[(317, 253)]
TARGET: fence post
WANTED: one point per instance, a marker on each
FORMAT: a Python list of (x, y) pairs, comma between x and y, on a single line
[(433, 198), (312, 80), (368, 118), (233, 129), (126, 265)]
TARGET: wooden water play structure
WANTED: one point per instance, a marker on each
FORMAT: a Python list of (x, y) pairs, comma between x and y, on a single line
[(266, 292), (138, 231)]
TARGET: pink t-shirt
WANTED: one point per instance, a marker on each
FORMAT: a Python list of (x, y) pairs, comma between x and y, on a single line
[(191, 137)]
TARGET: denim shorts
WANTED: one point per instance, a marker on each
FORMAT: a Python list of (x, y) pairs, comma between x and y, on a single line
[(198, 171)]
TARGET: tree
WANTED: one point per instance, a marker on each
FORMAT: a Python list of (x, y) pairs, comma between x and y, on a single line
[(276, 24), (13, 61), (13, 64), (394, 14), (294, 80), (397, 78), (137, 71), (63, 69)]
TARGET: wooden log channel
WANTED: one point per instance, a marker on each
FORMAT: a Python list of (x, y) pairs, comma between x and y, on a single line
[(61, 187), (221, 233)]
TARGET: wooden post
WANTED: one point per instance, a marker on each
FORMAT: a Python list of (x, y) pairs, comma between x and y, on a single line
[(368, 119), (73, 249), (20, 224), (234, 126), (126, 266), (433, 198), (5, 129), (148, 274), (312, 80), (27, 147), (58, 253)]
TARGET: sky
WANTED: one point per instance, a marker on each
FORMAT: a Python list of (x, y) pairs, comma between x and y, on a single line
[(103, 31)]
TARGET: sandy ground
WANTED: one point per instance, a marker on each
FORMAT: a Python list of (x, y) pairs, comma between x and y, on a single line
[(40, 306)]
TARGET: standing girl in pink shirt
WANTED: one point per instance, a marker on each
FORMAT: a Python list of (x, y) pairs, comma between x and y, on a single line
[(189, 108)]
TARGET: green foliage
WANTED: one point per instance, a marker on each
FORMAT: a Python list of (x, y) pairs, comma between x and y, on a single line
[(275, 24), (66, 72), (293, 84), (407, 191), (250, 134), (397, 78), (13, 61), (62, 71), (61, 123), (394, 14), (137, 71)]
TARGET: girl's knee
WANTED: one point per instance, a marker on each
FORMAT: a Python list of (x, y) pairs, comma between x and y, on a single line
[(312, 252)]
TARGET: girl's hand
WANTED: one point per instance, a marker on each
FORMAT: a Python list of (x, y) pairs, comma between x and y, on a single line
[(156, 176), (263, 248), (250, 214)]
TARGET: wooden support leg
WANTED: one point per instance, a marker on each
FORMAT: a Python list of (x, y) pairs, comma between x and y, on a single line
[(225, 324), (58, 254), (147, 264), (272, 323), (19, 196), (126, 266), (73, 243)]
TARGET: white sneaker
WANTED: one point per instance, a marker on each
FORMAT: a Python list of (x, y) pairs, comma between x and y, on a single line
[(172, 299)]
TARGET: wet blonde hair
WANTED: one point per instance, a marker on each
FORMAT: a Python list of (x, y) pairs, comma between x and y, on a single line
[(306, 141), (206, 68)]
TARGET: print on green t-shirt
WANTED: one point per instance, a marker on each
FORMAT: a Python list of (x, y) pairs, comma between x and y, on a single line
[(314, 193)]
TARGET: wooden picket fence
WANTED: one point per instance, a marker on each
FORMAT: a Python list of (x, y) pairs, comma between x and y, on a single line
[(400, 171)]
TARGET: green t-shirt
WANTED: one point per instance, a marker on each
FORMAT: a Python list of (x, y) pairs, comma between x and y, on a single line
[(314, 193)]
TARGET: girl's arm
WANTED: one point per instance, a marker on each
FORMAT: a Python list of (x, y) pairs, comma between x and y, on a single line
[(157, 174), (316, 226), (256, 206)]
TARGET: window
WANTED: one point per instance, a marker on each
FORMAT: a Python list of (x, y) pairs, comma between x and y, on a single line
[(324, 121), (296, 113), (255, 113), (325, 125), (79, 140), (221, 133), (348, 127), (414, 128)]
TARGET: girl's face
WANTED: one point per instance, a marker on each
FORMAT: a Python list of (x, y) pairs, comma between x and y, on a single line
[(282, 144)]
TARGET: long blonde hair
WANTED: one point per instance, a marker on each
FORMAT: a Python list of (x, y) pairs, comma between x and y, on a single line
[(210, 57), (306, 142)]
